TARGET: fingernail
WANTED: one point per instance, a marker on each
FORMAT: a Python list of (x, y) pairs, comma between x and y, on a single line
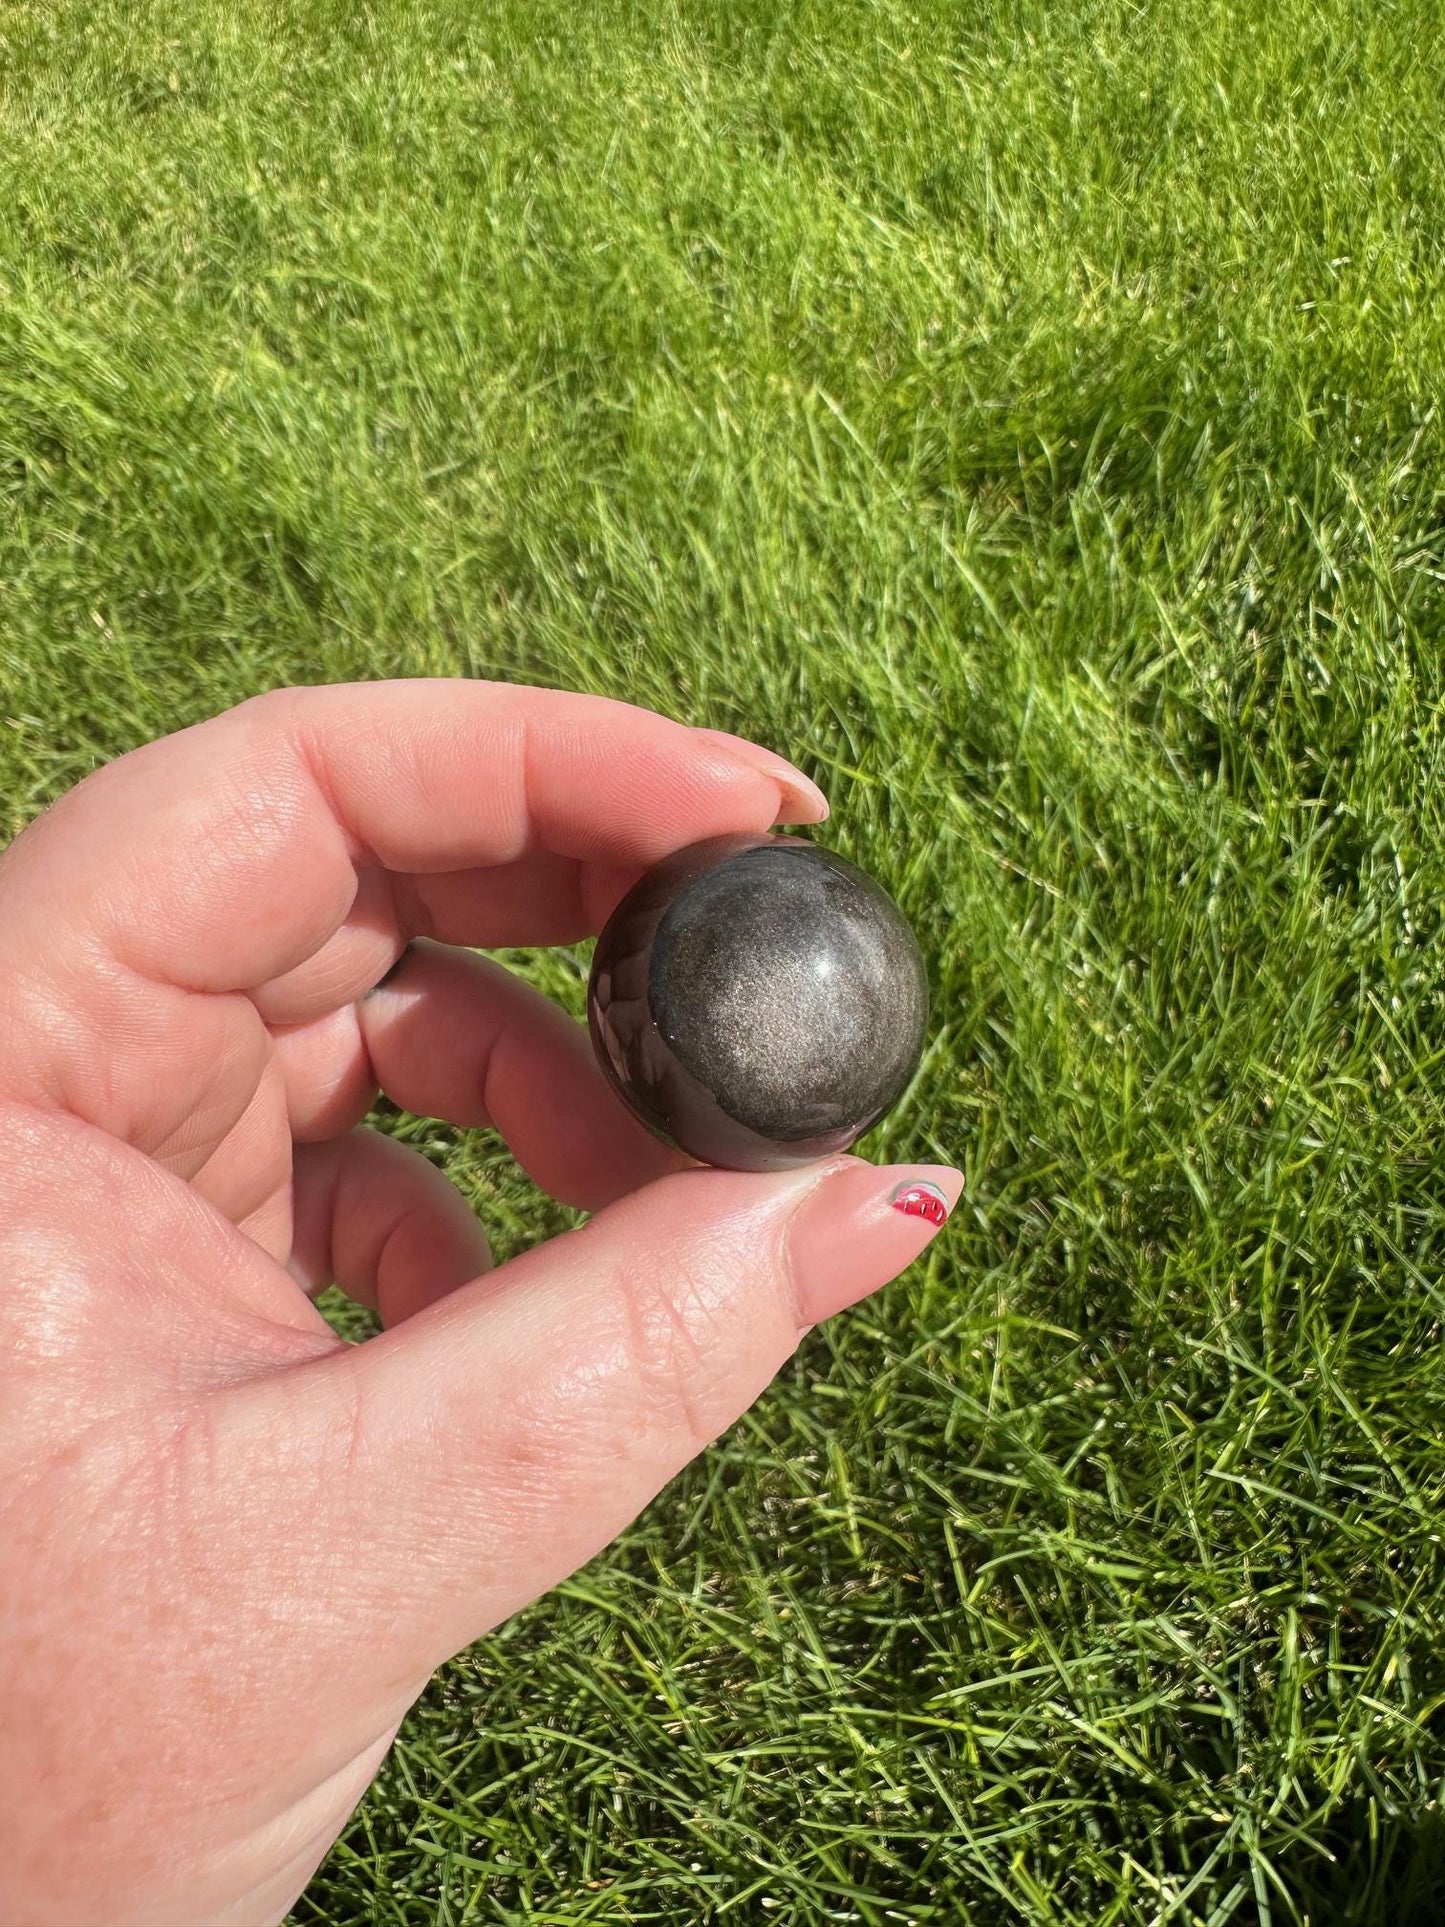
[(802, 800), (862, 1225)]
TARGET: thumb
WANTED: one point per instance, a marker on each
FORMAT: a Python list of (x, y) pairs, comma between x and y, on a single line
[(504, 1435)]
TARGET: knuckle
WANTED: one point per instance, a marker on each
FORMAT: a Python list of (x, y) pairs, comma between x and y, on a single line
[(673, 1346)]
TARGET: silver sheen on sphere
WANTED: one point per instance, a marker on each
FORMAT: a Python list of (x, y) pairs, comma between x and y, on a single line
[(758, 1001)]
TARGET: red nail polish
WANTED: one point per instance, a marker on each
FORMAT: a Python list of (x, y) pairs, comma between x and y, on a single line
[(916, 1198)]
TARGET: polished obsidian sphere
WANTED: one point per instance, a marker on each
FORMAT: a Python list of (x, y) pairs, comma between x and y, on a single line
[(758, 1001)]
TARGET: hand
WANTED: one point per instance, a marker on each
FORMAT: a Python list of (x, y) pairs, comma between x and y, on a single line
[(234, 1548)]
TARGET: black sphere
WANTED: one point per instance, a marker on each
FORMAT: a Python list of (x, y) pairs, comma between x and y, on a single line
[(758, 1001)]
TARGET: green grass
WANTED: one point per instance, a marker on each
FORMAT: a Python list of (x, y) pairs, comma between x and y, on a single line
[(1027, 416)]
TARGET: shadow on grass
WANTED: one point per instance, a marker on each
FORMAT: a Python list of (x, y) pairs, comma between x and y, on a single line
[(1379, 1874)]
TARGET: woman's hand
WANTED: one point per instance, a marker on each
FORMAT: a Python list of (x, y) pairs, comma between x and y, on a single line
[(232, 1548)]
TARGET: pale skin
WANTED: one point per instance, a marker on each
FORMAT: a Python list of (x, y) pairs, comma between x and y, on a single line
[(232, 1548)]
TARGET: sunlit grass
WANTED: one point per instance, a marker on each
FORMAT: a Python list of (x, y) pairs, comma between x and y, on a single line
[(1027, 417)]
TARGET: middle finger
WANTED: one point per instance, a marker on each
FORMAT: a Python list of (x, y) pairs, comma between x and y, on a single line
[(455, 1036)]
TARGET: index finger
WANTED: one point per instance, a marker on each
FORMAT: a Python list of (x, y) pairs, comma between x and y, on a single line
[(221, 857)]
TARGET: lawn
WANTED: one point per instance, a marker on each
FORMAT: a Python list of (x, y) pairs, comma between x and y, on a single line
[(1027, 416)]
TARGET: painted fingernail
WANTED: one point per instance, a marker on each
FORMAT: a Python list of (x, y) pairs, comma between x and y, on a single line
[(916, 1198), (860, 1226), (802, 800)]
